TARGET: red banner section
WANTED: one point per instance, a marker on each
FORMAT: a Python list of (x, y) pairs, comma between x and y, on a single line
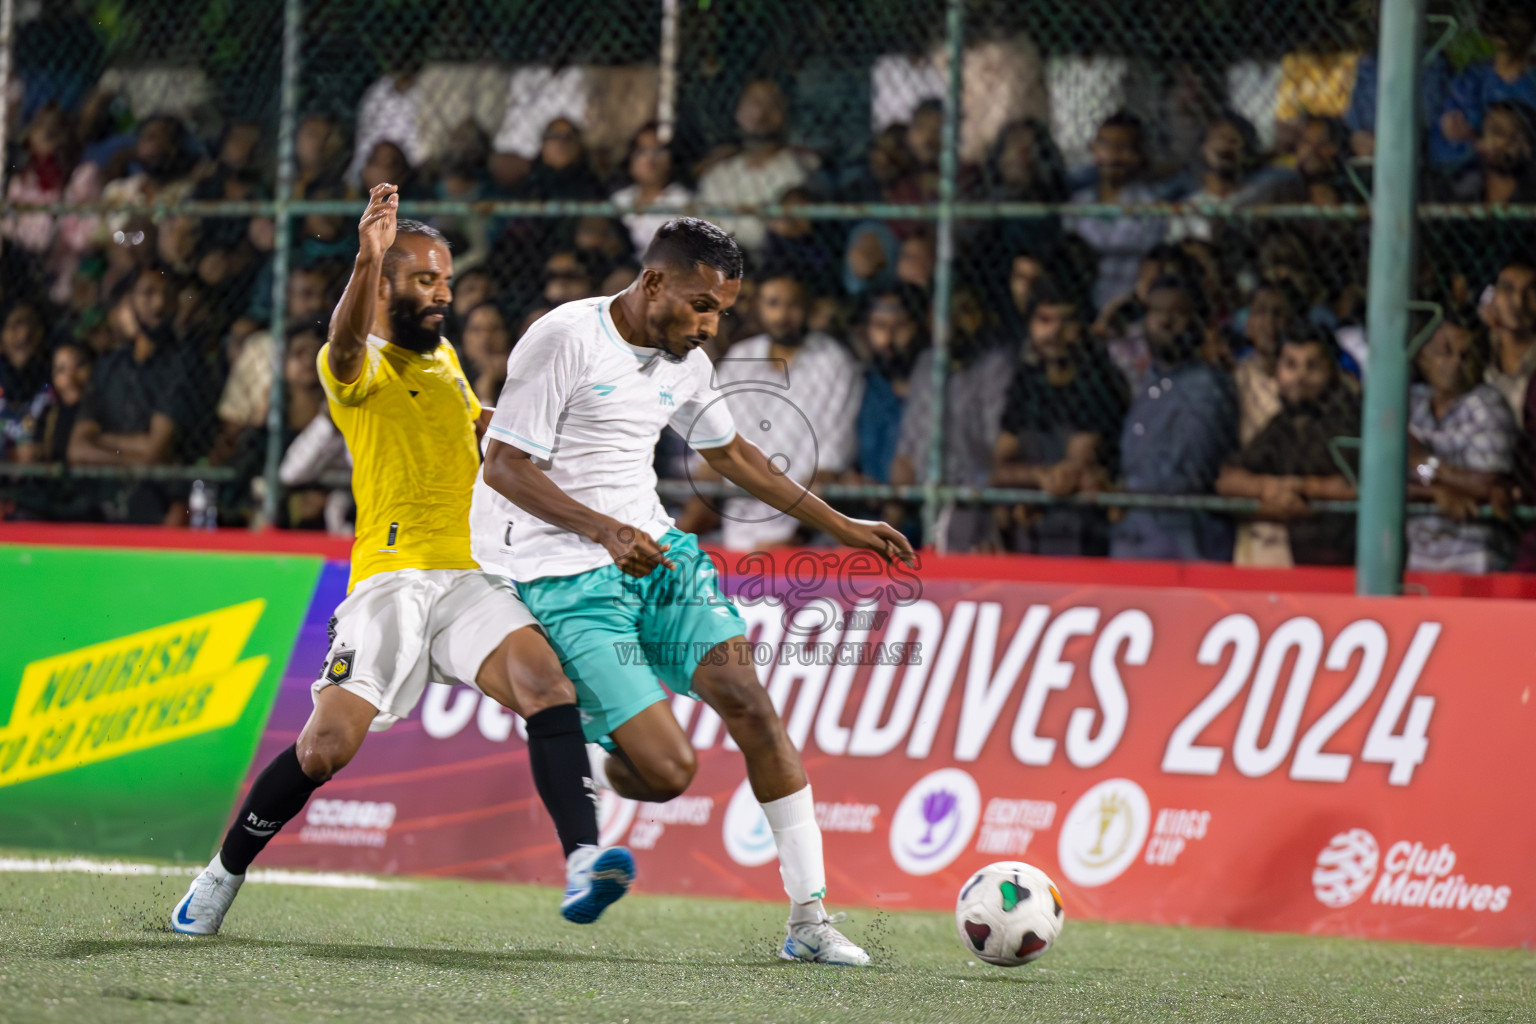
[(1276, 761)]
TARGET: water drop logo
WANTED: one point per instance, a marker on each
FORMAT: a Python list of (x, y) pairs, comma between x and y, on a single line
[(934, 821), (748, 839)]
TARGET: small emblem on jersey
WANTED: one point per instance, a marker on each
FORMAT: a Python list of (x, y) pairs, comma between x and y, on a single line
[(666, 398), (340, 668), (603, 389), (415, 393)]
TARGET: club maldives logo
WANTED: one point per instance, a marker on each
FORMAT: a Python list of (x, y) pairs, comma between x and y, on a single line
[(1345, 868), (1411, 875), (748, 839), (1103, 832), (934, 821)]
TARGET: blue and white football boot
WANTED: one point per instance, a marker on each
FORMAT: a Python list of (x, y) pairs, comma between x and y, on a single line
[(818, 942), (201, 911), (595, 877)]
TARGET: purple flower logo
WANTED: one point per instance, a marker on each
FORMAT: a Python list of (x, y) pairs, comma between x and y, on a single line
[(937, 806)]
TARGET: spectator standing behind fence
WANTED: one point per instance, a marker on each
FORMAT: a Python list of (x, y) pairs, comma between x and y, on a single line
[(1180, 428), (56, 499), (1504, 173), (974, 392), (1230, 172), (136, 405), (794, 393), (24, 373), (1290, 462), (1510, 27), (1273, 309), (893, 334), (1120, 158), (1461, 447), (652, 182), (762, 169), (1510, 314), (1059, 430)]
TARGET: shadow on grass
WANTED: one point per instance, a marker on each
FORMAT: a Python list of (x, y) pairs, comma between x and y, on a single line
[(458, 959)]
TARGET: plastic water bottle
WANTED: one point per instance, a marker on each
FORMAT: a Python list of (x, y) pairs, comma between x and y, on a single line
[(204, 514)]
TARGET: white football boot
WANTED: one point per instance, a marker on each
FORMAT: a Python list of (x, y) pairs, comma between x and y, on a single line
[(594, 878), (201, 911), (818, 942)]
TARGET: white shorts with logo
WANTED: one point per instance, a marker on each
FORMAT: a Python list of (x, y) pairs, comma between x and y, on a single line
[(398, 631)]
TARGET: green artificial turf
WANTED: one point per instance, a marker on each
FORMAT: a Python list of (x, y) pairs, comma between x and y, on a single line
[(82, 948)]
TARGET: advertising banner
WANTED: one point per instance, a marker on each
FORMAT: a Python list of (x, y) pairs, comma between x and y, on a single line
[(1307, 763), (133, 689)]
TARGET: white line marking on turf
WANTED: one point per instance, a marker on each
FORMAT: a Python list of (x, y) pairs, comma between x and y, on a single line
[(273, 876)]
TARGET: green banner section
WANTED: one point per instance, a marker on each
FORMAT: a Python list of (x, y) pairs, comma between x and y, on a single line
[(134, 686)]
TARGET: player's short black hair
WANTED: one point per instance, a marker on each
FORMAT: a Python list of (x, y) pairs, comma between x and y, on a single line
[(686, 242), (406, 227)]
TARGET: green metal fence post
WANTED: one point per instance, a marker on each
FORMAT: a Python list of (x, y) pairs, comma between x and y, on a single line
[(287, 124), (944, 265), (1383, 469)]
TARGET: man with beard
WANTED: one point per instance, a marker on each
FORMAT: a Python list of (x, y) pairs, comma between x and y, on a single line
[(1290, 461), (1504, 175), (418, 608), (1228, 161), (567, 506), (1181, 425), (794, 394), (137, 404), (1510, 313)]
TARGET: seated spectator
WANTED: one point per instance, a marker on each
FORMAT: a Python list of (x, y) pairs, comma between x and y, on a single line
[(869, 260), (48, 442), (924, 140), (303, 405), (1461, 445), (569, 274), (1180, 428), (244, 401), (1510, 27), (1230, 172), (894, 332), (1290, 461), (1510, 314), (803, 246), (387, 163), (388, 113), (1120, 325), (1504, 171), (462, 177), (136, 406), (1119, 155), (1273, 310), (159, 172), (763, 169), (917, 259), (1322, 146), (652, 182), (605, 239), (562, 170), (795, 394), (50, 155), (24, 373), (887, 161), (487, 343), (536, 95), (974, 392), (1060, 429), (319, 152)]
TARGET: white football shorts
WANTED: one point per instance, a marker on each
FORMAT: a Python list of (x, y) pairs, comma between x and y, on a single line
[(398, 631)]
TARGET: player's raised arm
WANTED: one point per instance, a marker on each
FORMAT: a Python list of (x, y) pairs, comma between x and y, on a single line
[(352, 321), (744, 464)]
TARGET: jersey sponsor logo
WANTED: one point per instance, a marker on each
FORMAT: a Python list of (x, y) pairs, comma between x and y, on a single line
[(934, 821), (131, 693), (1104, 832), (413, 393), (665, 398), (603, 390)]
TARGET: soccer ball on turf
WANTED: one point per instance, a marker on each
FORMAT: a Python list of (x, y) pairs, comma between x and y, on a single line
[(1009, 913)]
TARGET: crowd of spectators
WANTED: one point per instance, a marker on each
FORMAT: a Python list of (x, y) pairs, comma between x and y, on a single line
[(1187, 354)]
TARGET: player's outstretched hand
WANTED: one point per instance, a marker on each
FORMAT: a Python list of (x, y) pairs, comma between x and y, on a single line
[(376, 231), (633, 551), (876, 536)]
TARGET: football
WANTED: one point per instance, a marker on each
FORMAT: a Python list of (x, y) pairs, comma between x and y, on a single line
[(1009, 913)]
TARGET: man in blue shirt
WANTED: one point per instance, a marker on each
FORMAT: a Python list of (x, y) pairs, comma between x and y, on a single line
[(1181, 426)]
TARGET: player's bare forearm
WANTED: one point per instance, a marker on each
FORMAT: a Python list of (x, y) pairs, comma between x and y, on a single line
[(743, 463), (352, 321), (511, 473)]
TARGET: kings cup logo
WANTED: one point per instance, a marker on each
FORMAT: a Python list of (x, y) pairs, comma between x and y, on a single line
[(1104, 832)]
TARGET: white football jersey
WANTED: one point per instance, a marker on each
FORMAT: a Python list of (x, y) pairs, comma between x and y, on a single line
[(588, 408)]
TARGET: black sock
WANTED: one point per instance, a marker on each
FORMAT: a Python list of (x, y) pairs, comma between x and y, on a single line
[(557, 752), (279, 792)]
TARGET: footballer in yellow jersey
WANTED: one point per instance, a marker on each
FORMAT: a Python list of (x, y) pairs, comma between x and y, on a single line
[(418, 608)]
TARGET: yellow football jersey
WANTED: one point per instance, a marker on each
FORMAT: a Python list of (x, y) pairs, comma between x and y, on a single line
[(409, 421)]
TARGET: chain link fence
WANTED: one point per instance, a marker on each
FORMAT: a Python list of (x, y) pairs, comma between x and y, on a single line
[(1066, 279)]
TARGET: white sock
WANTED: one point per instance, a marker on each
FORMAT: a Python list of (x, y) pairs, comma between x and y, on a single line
[(798, 838), (599, 762)]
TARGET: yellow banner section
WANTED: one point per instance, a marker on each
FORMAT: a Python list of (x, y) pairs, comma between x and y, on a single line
[(131, 693)]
